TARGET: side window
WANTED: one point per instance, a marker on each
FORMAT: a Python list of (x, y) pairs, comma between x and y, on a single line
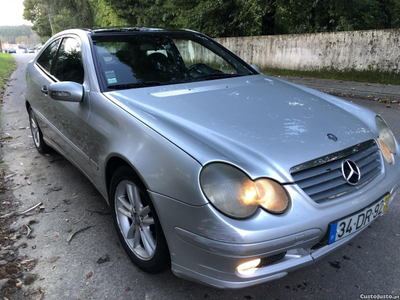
[(48, 55), (68, 64)]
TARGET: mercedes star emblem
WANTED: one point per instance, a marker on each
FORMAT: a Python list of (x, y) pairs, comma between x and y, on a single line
[(350, 171)]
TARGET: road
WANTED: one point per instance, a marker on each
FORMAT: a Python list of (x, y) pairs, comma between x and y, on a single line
[(369, 264)]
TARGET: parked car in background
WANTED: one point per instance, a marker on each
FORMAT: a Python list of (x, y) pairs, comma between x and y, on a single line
[(230, 177), (31, 50), (21, 50), (12, 50)]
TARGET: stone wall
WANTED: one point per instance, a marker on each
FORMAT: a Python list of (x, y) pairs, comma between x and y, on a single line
[(347, 50)]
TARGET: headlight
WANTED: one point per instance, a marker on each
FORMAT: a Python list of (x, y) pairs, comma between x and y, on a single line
[(385, 139), (233, 193)]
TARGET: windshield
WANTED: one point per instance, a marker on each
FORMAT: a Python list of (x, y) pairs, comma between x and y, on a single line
[(131, 61)]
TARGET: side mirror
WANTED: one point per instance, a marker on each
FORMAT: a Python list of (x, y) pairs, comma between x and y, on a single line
[(255, 68), (66, 91)]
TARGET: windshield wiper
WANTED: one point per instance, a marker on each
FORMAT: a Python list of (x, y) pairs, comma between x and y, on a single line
[(134, 85), (214, 76)]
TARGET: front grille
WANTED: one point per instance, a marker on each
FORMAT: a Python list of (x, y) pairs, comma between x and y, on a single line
[(321, 179)]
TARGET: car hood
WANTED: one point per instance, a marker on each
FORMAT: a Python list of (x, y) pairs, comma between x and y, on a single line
[(260, 124)]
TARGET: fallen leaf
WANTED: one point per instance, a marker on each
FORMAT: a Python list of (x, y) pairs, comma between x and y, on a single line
[(23, 245), (335, 264), (103, 259), (19, 284), (54, 259)]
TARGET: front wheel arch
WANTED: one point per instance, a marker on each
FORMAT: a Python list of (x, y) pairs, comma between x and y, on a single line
[(160, 260), (114, 162)]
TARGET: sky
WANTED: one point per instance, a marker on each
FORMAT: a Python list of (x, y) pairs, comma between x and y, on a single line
[(11, 13)]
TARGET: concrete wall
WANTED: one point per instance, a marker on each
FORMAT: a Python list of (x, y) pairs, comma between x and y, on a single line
[(348, 50)]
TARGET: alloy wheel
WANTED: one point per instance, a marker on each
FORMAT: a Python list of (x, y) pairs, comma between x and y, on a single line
[(35, 131), (135, 220)]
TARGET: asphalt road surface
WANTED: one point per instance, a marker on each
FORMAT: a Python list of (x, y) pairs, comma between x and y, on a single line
[(369, 264)]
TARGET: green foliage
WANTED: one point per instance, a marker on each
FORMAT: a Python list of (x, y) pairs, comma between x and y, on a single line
[(145, 13), (105, 16), (215, 17), (372, 76), (44, 39), (310, 16), (52, 16), (6, 66)]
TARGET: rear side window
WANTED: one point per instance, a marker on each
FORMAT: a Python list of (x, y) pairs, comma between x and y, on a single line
[(48, 55), (68, 64)]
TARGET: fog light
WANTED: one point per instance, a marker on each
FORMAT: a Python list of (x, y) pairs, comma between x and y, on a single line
[(249, 267)]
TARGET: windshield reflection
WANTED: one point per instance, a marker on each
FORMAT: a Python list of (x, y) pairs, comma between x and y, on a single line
[(131, 61)]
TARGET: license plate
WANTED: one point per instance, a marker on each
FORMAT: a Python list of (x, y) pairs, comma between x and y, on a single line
[(355, 222)]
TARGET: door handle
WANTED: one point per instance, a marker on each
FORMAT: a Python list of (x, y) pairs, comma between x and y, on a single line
[(45, 90)]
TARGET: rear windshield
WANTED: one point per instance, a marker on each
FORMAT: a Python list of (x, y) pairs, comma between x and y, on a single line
[(131, 61)]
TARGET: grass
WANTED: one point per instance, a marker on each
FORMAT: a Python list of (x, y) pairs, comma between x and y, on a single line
[(369, 76), (6, 67)]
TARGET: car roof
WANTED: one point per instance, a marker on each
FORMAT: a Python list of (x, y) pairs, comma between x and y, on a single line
[(124, 30)]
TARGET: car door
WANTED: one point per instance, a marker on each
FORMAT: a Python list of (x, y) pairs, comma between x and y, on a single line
[(66, 121), (39, 78)]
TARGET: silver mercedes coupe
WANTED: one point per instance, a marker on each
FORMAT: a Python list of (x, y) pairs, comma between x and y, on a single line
[(229, 177)]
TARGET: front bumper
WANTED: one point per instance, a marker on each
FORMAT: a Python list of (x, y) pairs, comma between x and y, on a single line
[(207, 247)]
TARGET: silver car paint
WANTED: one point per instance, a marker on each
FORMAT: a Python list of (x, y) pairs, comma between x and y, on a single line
[(70, 91), (168, 133), (233, 120)]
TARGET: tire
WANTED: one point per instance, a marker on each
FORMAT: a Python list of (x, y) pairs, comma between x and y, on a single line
[(37, 135), (139, 229)]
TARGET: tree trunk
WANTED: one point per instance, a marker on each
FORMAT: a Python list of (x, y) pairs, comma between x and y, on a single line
[(50, 20)]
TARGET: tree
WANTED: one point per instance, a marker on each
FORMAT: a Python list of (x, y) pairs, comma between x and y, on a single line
[(215, 17), (52, 16), (19, 35), (105, 15)]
